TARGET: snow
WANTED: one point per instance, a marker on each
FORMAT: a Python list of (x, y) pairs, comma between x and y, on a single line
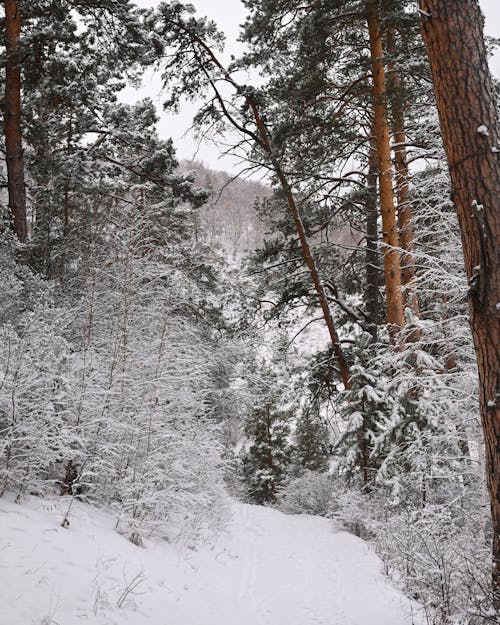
[(483, 130), (267, 569)]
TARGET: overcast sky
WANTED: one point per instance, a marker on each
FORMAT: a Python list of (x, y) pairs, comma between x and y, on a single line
[(228, 14)]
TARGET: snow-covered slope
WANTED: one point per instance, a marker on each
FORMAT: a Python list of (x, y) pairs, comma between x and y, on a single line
[(268, 569)]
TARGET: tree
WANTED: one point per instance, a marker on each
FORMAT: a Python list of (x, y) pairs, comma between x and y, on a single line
[(399, 103), (324, 92), (266, 461), (67, 64), (372, 269), (392, 267), (362, 411), (71, 75), (12, 120), (452, 31), (197, 39), (311, 440)]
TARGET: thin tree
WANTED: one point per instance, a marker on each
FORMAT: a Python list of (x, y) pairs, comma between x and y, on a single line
[(392, 268), (453, 34), (371, 253), (405, 222), (12, 120), (210, 67)]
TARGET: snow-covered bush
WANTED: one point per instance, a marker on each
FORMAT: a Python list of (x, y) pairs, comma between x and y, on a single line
[(146, 398), (109, 396), (311, 493), (439, 558), (356, 513), (434, 553)]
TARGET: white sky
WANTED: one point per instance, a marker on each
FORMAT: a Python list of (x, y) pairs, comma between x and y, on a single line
[(228, 14)]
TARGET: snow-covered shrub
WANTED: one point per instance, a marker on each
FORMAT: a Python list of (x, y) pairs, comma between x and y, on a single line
[(434, 553), (311, 493), (110, 396), (407, 424), (439, 558), (154, 449), (356, 512), (128, 427), (36, 405)]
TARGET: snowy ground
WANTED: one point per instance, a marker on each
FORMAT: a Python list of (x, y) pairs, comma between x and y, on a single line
[(268, 569)]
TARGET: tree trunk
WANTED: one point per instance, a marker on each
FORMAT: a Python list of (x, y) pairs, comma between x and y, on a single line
[(371, 253), (405, 221), (270, 459), (392, 269), (483, 498), (12, 120), (304, 244), (263, 139), (453, 34)]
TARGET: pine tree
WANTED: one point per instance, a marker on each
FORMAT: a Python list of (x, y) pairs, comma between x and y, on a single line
[(311, 440), (14, 152), (457, 54), (75, 58), (267, 456), (363, 409)]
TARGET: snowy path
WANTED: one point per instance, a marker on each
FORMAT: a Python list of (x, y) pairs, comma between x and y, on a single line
[(269, 569)]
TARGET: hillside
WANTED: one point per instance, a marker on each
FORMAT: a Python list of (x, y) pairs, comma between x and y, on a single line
[(266, 569), (229, 220)]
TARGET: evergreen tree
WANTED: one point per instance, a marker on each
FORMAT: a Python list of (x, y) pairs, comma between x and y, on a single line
[(75, 59), (311, 440), (267, 456), (363, 409), (14, 154), (453, 36)]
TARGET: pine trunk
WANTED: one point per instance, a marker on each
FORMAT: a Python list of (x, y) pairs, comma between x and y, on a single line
[(405, 220), (263, 139), (371, 253), (304, 245), (392, 268), (453, 34), (12, 120)]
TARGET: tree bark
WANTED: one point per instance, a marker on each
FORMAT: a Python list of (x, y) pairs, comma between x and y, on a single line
[(304, 244), (392, 268), (405, 221), (371, 253), (453, 34), (12, 120)]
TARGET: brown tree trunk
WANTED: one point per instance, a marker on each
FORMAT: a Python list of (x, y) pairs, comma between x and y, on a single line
[(453, 34), (270, 459), (263, 139), (12, 120), (371, 253), (392, 269), (304, 244), (405, 222)]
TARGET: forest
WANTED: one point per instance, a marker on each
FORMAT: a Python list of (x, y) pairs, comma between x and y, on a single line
[(317, 334)]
